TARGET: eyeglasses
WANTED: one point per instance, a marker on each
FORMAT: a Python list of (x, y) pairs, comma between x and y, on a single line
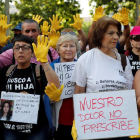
[(24, 48), (136, 38), (64, 33)]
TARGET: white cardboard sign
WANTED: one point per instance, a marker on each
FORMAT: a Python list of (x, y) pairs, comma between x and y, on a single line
[(106, 114), (64, 72), (25, 107)]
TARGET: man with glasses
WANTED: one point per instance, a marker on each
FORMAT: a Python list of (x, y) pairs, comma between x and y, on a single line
[(30, 28), (23, 51)]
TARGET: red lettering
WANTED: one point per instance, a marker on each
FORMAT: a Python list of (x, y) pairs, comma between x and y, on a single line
[(110, 101), (99, 125), (116, 115), (95, 114), (93, 103), (87, 116), (114, 125), (103, 104), (112, 115), (119, 114), (89, 127), (93, 126), (82, 105), (105, 129), (120, 102), (101, 114), (130, 124), (82, 119), (123, 123)]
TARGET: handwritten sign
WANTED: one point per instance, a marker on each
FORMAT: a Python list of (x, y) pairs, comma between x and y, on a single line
[(25, 108), (106, 114), (64, 72)]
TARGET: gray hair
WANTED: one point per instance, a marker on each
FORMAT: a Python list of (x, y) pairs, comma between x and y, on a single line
[(65, 38), (30, 21)]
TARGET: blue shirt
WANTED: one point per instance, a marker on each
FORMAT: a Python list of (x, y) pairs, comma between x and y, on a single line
[(7, 47)]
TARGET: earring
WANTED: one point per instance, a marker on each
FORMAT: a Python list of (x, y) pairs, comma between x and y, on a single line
[(132, 45)]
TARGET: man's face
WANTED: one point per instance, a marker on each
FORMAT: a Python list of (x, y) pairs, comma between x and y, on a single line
[(30, 29)]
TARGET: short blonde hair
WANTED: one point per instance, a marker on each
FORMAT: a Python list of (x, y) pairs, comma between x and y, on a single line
[(65, 38)]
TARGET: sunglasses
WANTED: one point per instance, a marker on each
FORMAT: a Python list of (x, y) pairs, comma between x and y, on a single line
[(136, 38), (64, 33)]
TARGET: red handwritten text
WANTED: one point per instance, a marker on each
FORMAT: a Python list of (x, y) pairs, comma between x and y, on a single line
[(120, 125), (100, 103), (95, 115)]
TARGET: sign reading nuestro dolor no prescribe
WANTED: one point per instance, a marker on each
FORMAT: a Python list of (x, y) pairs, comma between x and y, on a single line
[(106, 114)]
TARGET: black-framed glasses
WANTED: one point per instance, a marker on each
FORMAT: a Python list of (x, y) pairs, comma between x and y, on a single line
[(24, 48), (136, 38), (64, 33)]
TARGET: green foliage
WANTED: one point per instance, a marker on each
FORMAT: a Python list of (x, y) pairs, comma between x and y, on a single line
[(111, 7), (46, 8), (1, 7), (85, 26)]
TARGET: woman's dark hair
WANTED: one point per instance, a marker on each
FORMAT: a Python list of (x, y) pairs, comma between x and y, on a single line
[(9, 112), (24, 38), (99, 29)]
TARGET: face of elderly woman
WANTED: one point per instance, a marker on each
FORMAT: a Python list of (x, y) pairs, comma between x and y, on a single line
[(67, 51), (111, 37)]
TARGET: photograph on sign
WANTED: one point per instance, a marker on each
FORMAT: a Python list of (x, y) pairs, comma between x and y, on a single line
[(6, 110), (106, 114), (24, 106), (64, 73)]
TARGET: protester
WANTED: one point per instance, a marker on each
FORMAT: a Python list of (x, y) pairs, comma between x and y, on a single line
[(29, 28), (23, 51), (5, 113), (82, 36), (70, 31), (122, 17), (67, 46), (101, 66), (133, 49)]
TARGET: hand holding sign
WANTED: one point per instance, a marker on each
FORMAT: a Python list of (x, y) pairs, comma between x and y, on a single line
[(54, 93)]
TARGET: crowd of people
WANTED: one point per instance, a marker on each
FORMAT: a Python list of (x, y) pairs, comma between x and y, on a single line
[(31, 55)]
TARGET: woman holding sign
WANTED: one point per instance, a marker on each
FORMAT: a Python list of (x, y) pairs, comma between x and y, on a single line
[(28, 80), (67, 46), (100, 69)]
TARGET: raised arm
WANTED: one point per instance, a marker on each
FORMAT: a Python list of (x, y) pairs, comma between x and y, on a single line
[(83, 40), (78, 26), (41, 51), (122, 17), (125, 35)]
